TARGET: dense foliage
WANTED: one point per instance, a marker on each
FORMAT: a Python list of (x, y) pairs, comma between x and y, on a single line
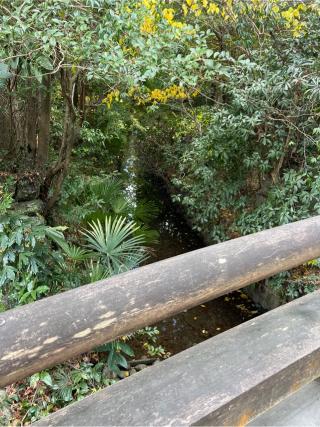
[(247, 157), (218, 98), (38, 260)]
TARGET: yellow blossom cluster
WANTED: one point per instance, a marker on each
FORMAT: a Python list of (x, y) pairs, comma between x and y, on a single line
[(292, 15), (163, 95), (168, 14), (231, 9), (110, 97), (281, 10), (227, 10), (155, 13), (148, 25), (150, 5), (160, 96), (199, 6)]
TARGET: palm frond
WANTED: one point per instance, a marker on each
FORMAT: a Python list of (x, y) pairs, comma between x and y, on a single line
[(96, 272), (75, 253), (120, 205), (116, 243), (146, 211), (107, 190)]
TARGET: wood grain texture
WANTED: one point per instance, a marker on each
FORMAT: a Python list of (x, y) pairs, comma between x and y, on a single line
[(224, 381), (41, 334), (300, 409)]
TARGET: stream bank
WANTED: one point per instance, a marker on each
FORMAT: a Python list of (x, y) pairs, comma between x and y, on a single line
[(177, 237)]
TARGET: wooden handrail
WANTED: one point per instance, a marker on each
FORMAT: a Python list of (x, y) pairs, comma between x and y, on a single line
[(226, 380), (41, 334)]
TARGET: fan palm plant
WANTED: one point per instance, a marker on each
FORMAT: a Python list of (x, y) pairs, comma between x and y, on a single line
[(95, 271), (106, 190), (146, 211), (115, 244)]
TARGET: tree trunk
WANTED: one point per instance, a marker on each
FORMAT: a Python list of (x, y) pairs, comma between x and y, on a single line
[(26, 144), (25, 135), (44, 123), (5, 123), (57, 173)]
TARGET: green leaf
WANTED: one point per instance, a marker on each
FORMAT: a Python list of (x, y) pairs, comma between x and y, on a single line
[(46, 378), (34, 380), (45, 63), (126, 349), (119, 359)]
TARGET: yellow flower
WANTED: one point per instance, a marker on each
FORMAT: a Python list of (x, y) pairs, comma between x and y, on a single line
[(287, 14), (205, 3), (147, 4), (150, 4), (114, 95), (302, 7), (296, 13), (185, 9), (163, 95), (177, 24), (213, 8), (168, 14), (275, 9), (148, 25), (189, 2)]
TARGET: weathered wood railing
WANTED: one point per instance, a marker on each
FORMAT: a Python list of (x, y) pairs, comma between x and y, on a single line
[(226, 380)]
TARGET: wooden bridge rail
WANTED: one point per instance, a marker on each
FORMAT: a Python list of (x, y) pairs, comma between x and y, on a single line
[(39, 335), (227, 380)]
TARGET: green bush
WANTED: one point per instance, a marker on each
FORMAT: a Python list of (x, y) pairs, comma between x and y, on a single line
[(26, 256)]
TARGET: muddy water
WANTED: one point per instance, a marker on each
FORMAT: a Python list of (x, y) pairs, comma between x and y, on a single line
[(176, 237)]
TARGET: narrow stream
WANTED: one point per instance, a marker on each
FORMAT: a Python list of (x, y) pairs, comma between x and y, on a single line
[(176, 237), (190, 327)]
